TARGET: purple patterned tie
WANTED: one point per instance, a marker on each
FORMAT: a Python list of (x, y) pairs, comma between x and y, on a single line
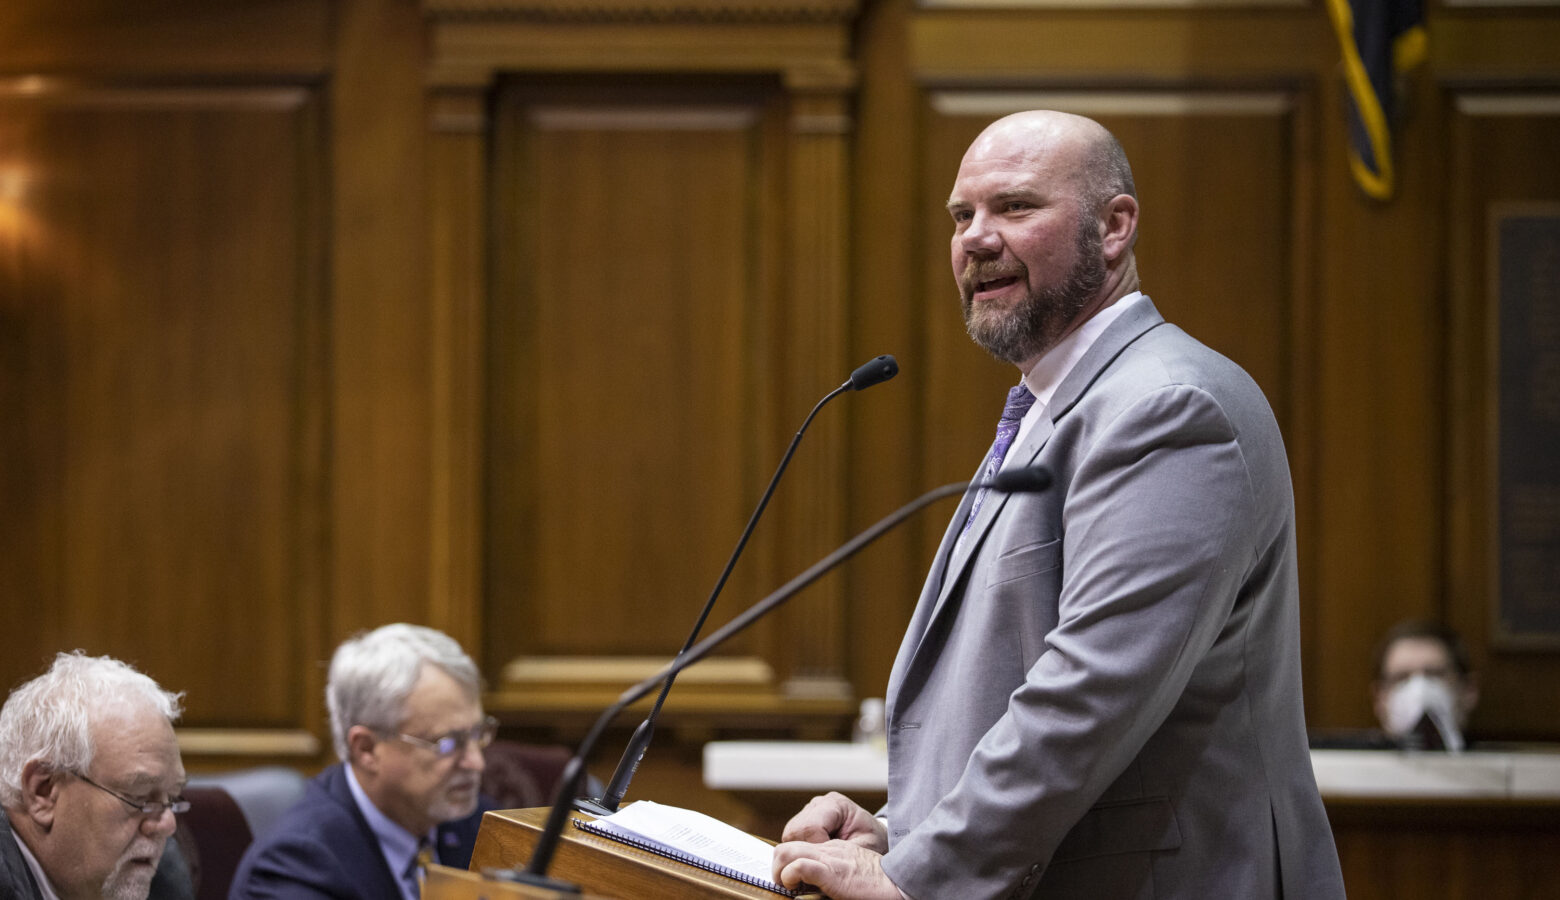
[(1019, 400)]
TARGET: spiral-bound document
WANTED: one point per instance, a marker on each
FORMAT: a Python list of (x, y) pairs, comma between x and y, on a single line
[(690, 837)]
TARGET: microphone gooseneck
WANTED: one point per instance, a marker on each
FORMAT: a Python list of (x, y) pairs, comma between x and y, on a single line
[(873, 372), (1037, 479)]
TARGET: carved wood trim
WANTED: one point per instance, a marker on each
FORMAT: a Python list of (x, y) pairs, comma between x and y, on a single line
[(458, 123), (645, 10)]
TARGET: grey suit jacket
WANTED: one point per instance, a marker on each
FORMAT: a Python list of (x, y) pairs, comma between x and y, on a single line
[(1099, 694)]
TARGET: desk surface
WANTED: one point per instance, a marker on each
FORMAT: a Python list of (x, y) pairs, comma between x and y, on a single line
[(821, 766)]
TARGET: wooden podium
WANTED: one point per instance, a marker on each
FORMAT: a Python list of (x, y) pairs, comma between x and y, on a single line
[(599, 865), (445, 883)]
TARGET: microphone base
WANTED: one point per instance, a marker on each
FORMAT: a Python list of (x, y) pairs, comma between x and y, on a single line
[(520, 876), (593, 807)]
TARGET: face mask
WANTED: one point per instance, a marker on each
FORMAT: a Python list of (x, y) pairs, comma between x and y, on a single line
[(1419, 701)]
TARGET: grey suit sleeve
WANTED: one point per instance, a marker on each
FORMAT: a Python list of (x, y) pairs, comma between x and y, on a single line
[(1160, 525)]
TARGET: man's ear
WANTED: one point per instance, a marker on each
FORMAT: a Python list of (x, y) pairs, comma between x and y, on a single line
[(40, 792), (1119, 222), (361, 741)]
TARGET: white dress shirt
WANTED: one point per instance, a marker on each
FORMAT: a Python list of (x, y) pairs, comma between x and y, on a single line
[(398, 845)]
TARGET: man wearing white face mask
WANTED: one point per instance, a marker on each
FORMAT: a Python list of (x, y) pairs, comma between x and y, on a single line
[(1424, 687)]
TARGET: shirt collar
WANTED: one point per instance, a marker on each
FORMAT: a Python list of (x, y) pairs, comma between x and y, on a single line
[(44, 887), (1048, 372), (398, 845)]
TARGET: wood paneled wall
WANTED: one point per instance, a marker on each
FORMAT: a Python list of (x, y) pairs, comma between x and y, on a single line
[(498, 316), (1495, 135), (1360, 319), (164, 316), (635, 234)]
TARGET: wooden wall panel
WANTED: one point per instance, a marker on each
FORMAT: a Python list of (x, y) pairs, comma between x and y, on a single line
[(1375, 546), (381, 322), (1496, 137), (886, 316), (163, 308), (224, 251), (458, 268), (210, 38), (668, 262), (623, 331)]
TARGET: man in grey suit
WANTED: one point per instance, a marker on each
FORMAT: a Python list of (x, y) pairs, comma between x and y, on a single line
[(1099, 692)]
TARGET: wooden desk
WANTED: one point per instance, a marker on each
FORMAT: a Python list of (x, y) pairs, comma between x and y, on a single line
[(1409, 826), (1447, 847)]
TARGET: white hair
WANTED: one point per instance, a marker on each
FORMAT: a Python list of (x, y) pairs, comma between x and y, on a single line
[(372, 675), (50, 718)]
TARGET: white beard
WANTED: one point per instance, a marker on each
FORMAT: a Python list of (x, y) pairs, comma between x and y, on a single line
[(444, 809), (133, 884)]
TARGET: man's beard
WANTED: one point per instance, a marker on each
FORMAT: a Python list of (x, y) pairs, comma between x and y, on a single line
[(127, 882), (445, 808), (1037, 321)]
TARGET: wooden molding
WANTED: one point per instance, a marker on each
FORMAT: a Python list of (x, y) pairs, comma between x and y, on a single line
[(535, 671), (646, 10), (1111, 5), (560, 692), (567, 715), (247, 742)]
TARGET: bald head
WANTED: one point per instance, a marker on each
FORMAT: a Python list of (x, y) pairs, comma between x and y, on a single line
[(1075, 148)]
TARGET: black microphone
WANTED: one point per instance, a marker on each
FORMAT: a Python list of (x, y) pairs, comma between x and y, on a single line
[(1031, 480), (1028, 480), (875, 371)]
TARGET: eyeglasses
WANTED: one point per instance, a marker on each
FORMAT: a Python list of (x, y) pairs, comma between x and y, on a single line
[(455, 742), (152, 808)]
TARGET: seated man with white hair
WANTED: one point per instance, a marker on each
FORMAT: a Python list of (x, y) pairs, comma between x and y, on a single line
[(406, 717), (90, 780)]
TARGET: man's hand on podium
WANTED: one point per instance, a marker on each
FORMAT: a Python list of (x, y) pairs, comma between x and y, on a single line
[(835, 816), (837, 846), (840, 869)]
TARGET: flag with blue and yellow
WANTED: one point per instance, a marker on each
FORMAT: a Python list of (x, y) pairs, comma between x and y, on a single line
[(1381, 39)]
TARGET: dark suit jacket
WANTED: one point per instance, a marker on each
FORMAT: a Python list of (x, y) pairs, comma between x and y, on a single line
[(15, 878), (172, 881), (323, 847)]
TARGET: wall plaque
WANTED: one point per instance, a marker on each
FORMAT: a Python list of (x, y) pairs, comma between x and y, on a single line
[(1526, 265)]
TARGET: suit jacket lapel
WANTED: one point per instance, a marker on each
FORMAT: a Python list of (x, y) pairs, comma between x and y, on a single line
[(948, 567), (932, 588), (1128, 327), (15, 875), (1022, 455), (336, 785)]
